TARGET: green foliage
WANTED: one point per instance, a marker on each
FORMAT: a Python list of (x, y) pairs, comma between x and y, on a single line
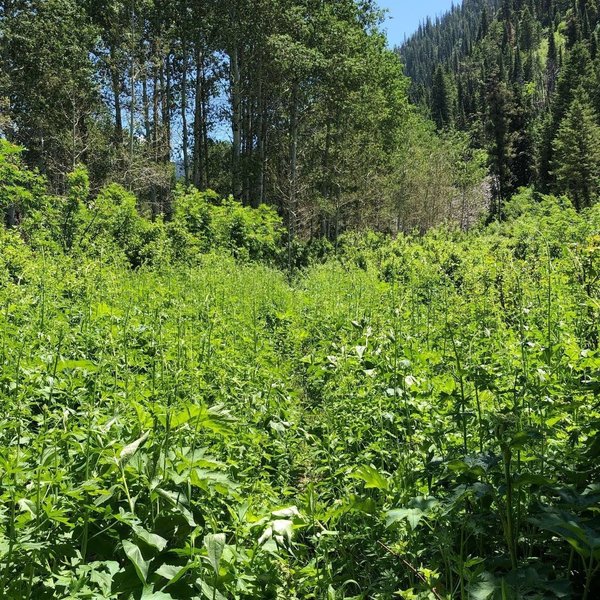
[(20, 188), (441, 102), (55, 102), (110, 223), (414, 416), (437, 179), (15, 256), (315, 114), (410, 416), (577, 153), (517, 70), (204, 221), (73, 208), (115, 220)]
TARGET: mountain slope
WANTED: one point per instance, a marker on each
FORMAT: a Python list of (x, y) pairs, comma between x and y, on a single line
[(512, 72)]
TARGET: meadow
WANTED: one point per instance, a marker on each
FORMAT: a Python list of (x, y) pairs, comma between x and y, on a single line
[(415, 418)]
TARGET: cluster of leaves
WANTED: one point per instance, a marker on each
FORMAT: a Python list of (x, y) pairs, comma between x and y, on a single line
[(111, 224), (203, 221), (415, 417), (122, 469), (457, 378)]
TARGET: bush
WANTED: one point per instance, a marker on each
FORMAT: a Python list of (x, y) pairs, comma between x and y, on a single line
[(203, 222), (116, 223), (15, 256), (20, 189)]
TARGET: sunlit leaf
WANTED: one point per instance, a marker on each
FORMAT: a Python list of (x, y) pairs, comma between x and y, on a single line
[(372, 478), (134, 554)]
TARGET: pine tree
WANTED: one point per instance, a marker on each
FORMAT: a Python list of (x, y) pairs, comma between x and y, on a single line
[(574, 26), (575, 71), (441, 102), (498, 103), (552, 63), (518, 72), (576, 165)]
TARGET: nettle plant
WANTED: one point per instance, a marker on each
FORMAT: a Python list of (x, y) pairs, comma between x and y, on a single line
[(414, 418)]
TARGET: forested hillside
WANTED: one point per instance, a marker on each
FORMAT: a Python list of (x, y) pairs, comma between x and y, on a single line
[(522, 77)]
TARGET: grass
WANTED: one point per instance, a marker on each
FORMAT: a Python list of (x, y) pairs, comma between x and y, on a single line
[(415, 418)]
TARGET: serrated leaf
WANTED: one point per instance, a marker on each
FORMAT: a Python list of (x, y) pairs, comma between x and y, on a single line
[(412, 515)]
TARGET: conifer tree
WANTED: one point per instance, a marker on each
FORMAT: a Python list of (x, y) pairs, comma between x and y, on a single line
[(441, 103), (576, 165), (498, 103), (552, 62)]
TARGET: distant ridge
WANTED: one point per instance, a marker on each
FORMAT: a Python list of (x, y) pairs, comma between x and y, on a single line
[(522, 78)]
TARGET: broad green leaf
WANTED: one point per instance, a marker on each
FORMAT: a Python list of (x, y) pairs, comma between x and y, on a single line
[(179, 502), (132, 448), (372, 477), (134, 554), (412, 515), (27, 506), (286, 513), (210, 592), (173, 573), (215, 418), (280, 531), (84, 365), (483, 588), (215, 544), (417, 509), (582, 538), (527, 479), (152, 539), (150, 594), (208, 479)]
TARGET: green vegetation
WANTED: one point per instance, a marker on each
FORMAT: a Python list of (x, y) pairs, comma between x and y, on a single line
[(298, 105), (522, 78), (365, 367), (415, 417)]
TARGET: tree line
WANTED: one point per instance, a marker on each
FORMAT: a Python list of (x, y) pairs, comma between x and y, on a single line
[(299, 104), (522, 76)]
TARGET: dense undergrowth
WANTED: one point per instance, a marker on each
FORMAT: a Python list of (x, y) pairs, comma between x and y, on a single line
[(415, 418)]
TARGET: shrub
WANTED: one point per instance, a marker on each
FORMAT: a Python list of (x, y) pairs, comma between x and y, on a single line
[(203, 222), (20, 188), (15, 256)]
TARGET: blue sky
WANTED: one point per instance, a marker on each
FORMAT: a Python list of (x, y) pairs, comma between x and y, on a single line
[(405, 15)]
